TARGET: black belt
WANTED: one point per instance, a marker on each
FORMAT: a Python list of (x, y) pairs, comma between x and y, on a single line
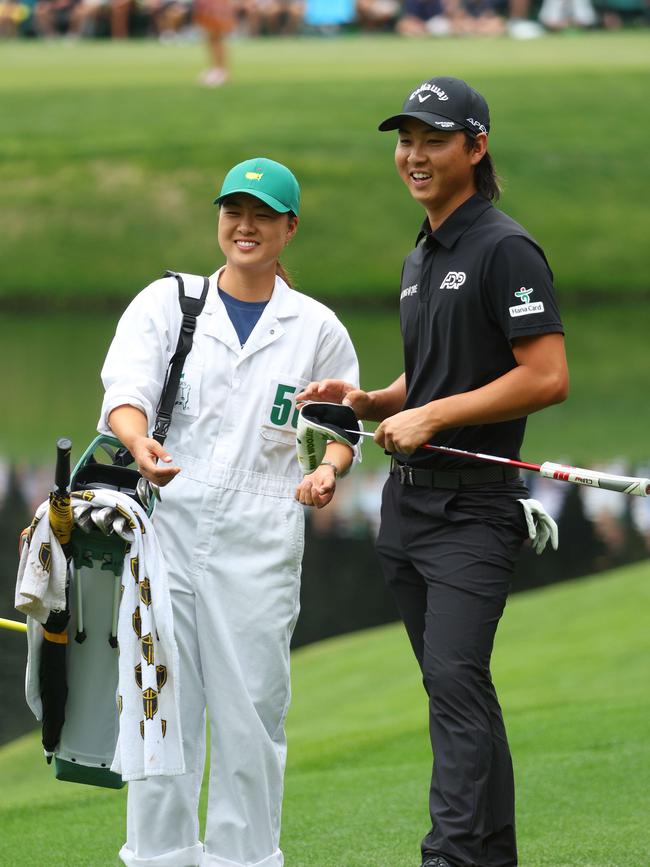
[(450, 479)]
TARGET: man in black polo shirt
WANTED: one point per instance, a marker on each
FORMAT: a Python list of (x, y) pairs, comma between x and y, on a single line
[(483, 348)]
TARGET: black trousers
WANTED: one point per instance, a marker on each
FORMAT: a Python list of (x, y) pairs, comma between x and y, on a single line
[(448, 558)]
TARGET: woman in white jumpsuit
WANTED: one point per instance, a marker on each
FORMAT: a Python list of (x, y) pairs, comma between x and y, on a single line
[(231, 522)]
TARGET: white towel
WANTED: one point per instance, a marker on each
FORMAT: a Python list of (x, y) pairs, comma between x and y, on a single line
[(40, 585), (150, 739)]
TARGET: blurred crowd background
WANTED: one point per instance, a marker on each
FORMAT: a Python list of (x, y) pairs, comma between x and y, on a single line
[(170, 20)]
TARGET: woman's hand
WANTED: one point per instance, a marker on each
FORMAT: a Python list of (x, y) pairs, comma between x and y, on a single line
[(337, 391), (326, 391), (317, 489), (146, 452)]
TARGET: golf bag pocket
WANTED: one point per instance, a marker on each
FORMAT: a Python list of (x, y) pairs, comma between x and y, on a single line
[(188, 399), (279, 411)]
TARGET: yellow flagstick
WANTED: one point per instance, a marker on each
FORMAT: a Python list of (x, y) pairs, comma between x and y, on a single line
[(14, 625)]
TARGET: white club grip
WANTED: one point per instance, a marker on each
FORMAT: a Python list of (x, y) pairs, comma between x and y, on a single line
[(594, 479)]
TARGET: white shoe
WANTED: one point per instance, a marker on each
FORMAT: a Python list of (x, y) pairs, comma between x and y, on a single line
[(214, 77), (521, 28)]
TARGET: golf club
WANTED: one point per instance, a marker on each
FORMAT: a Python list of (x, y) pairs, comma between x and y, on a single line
[(637, 487)]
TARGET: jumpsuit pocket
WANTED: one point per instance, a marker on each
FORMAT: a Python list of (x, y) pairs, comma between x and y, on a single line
[(293, 515), (279, 411), (279, 436)]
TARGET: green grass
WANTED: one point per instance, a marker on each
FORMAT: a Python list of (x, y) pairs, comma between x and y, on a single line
[(571, 665), (111, 155), (54, 385)]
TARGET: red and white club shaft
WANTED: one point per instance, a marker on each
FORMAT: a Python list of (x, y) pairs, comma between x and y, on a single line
[(592, 478)]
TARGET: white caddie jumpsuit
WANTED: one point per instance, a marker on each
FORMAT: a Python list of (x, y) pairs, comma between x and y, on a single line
[(232, 535)]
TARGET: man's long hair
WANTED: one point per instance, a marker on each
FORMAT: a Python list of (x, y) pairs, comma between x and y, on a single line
[(485, 174)]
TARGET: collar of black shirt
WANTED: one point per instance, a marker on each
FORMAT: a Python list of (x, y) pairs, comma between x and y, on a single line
[(457, 223)]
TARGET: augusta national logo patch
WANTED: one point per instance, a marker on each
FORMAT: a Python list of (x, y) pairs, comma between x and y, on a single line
[(526, 307)]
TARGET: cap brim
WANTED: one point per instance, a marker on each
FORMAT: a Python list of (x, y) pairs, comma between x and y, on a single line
[(435, 121), (263, 197)]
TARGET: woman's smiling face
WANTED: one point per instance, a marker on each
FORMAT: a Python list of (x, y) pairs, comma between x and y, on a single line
[(251, 234)]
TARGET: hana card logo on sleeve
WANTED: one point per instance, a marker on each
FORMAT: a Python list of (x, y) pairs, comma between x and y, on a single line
[(526, 307)]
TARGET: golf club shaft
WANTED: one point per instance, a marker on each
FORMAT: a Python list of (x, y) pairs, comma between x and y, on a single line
[(13, 625), (638, 487)]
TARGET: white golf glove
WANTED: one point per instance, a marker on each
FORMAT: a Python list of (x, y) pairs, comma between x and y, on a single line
[(541, 527), (318, 424)]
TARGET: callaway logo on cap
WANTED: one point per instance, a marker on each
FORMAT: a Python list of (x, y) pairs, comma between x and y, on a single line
[(447, 104), (265, 179)]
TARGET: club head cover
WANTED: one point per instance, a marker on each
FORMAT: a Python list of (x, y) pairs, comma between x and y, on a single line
[(318, 424), (541, 527)]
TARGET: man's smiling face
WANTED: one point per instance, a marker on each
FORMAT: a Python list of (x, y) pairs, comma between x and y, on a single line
[(436, 166)]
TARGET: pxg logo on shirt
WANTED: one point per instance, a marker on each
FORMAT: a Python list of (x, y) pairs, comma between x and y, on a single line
[(454, 280), (526, 307)]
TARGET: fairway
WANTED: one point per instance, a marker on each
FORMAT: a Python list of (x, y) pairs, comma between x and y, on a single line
[(572, 666), (111, 155)]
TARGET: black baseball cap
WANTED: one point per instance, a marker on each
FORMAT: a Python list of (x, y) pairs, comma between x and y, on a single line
[(444, 103)]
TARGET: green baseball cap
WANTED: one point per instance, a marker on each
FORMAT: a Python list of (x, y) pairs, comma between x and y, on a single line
[(265, 179)]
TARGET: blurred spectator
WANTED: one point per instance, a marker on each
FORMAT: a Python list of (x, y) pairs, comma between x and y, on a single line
[(274, 17), (477, 17), (85, 16), (519, 24), (423, 17), (167, 17), (615, 13), (329, 14), (559, 14), (52, 17), (377, 14), (120, 14), (450, 17), (606, 510), (12, 15), (217, 19)]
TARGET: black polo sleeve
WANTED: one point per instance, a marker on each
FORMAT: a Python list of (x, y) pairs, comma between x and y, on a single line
[(519, 289)]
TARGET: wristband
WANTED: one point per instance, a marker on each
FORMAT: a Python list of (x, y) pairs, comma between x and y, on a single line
[(331, 464)]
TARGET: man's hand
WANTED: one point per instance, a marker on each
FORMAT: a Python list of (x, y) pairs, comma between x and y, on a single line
[(317, 489), (405, 431), (146, 452)]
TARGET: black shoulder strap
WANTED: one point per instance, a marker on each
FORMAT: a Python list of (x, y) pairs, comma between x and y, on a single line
[(191, 309)]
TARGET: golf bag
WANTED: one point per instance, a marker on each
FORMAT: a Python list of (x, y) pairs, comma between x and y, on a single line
[(88, 733)]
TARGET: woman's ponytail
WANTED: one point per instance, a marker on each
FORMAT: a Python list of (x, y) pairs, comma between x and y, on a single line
[(281, 271)]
